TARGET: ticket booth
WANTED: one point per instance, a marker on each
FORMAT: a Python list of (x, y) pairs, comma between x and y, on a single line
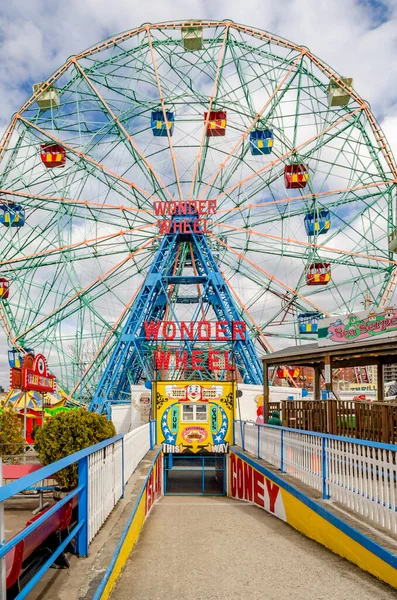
[(195, 429)]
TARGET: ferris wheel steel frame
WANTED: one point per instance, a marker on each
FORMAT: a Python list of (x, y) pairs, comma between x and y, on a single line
[(220, 187)]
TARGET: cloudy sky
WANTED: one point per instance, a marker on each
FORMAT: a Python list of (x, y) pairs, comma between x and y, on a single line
[(357, 38)]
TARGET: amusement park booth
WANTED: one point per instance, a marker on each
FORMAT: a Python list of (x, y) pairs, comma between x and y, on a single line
[(356, 340), (195, 429)]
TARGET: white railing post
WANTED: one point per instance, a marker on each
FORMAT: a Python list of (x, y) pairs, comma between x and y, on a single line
[(282, 452), (358, 474), (324, 470), (259, 441)]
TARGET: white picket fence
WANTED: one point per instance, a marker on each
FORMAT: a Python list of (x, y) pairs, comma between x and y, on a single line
[(357, 474), (109, 469), (136, 444)]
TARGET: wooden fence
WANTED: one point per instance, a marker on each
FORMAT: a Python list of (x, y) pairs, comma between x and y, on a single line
[(374, 421)]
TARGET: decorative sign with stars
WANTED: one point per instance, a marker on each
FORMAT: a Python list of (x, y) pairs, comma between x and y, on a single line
[(185, 427)]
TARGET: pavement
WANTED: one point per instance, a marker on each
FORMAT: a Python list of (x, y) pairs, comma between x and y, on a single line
[(205, 548)]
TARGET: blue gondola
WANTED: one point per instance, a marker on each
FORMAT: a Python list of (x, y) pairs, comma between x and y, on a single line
[(317, 222), (12, 215), (14, 359), (159, 125), (261, 141), (308, 322)]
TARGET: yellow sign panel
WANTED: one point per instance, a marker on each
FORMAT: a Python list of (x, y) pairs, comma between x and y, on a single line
[(194, 416), (363, 387)]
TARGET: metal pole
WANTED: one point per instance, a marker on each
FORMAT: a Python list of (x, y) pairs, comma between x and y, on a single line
[(266, 392), (24, 415), (83, 516), (380, 384)]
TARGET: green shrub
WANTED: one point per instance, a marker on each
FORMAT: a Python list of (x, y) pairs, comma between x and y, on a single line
[(12, 441), (69, 432)]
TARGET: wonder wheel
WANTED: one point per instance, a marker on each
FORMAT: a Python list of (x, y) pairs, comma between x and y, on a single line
[(297, 171)]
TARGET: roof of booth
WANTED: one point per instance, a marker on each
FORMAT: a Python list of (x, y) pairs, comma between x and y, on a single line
[(383, 350)]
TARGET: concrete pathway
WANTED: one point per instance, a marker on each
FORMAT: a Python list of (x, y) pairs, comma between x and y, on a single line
[(218, 549)]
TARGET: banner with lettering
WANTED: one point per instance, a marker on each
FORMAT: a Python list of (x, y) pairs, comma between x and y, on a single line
[(357, 327), (249, 484)]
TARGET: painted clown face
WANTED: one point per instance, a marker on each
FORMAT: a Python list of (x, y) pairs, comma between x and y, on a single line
[(194, 393)]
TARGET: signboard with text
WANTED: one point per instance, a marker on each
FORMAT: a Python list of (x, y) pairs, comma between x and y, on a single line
[(377, 323), (33, 375)]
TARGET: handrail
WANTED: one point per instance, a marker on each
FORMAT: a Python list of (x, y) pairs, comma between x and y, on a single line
[(328, 436), (28, 530), (17, 486), (358, 474), (91, 514)]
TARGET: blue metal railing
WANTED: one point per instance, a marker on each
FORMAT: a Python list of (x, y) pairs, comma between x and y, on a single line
[(79, 531), (329, 459)]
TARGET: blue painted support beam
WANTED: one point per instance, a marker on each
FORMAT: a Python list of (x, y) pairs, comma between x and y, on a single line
[(132, 355)]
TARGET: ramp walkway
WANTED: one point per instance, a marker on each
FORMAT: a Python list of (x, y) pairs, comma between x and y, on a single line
[(217, 548)]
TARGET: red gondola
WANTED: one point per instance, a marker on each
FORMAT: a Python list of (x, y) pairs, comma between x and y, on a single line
[(4, 288), (319, 274), (283, 373), (52, 155), (217, 121), (295, 176)]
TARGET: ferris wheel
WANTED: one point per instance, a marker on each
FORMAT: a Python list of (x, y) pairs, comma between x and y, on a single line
[(298, 173)]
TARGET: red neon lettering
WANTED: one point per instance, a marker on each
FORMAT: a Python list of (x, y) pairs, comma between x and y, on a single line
[(187, 329), (240, 479), (186, 226), (206, 325), (228, 366), (221, 331), (162, 359), (259, 488), (211, 207), (169, 325), (213, 360), (247, 482), (202, 204), (197, 360), (160, 208), (151, 329), (239, 328), (233, 475), (272, 490), (178, 227), (181, 360), (182, 208), (164, 225)]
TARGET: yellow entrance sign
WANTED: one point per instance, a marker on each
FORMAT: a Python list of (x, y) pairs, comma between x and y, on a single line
[(194, 416)]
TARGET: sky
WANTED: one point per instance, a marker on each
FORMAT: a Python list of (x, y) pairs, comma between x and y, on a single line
[(358, 38)]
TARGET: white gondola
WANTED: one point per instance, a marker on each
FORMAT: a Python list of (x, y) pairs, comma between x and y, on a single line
[(393, 241), (47, 99), (338, 96), (192, 36)]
